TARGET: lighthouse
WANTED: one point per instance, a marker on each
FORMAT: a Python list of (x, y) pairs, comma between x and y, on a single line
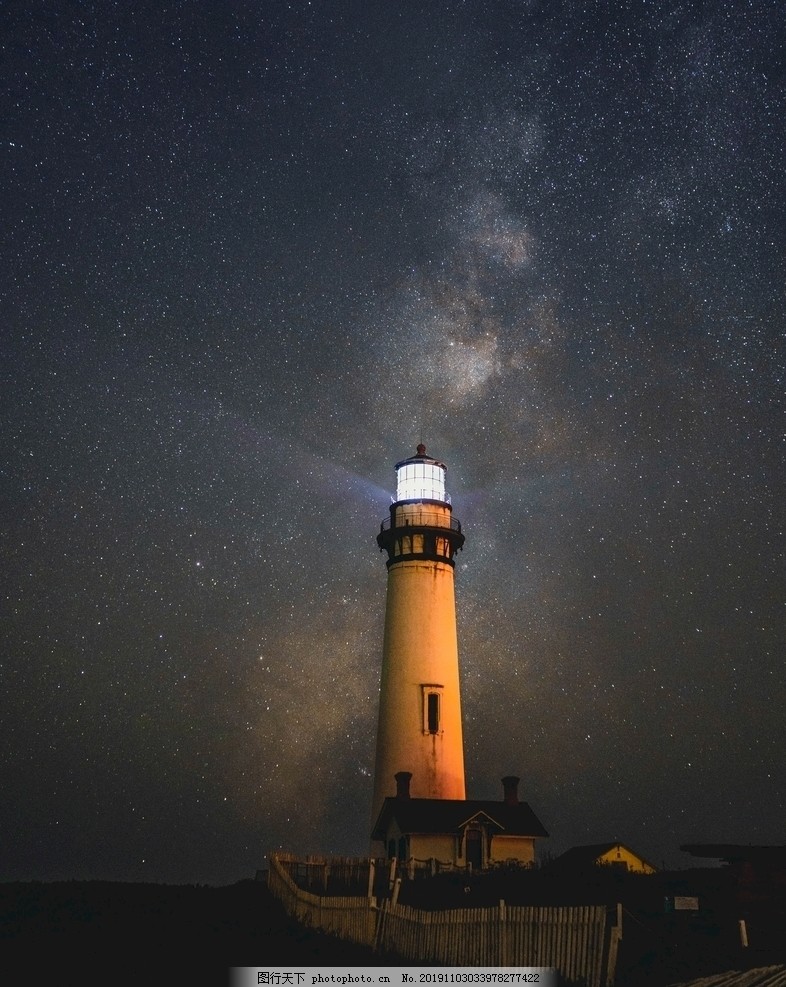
[(419, 726)]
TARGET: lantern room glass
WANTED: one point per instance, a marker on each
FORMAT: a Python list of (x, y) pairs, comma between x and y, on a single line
[(421, 481)]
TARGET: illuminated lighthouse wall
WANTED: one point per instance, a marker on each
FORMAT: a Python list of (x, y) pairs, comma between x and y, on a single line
[(419, 727)]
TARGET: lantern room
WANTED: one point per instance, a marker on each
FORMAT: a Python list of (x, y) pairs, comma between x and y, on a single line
[(421, 478)]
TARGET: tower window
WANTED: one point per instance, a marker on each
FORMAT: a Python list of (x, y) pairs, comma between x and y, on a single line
[(432, 708), (433, 712)]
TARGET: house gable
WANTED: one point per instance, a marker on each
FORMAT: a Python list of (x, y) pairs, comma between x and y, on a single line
[(580, 858), (480, 818)]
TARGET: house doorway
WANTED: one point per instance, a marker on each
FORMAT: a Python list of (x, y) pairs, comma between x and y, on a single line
[(475, 848)]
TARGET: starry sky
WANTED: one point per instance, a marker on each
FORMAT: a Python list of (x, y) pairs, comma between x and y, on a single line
[(252, 253)]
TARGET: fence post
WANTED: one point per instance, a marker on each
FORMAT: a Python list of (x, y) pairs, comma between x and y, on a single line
[(503, 934), (396, 889), (371, 869), (615, 936)]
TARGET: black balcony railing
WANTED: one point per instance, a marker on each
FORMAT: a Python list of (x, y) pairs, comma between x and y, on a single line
[(423, 519)]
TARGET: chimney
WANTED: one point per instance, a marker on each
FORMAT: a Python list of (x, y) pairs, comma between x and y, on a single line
[(510, 785), (402, 784)]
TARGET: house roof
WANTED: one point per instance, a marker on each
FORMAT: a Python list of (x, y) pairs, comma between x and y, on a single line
[(585, 856), (452, 815)]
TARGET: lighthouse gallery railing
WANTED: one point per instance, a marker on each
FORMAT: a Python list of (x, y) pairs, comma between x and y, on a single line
[(423, 519)]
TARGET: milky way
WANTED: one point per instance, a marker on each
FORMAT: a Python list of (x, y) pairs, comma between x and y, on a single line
[(252, 255)]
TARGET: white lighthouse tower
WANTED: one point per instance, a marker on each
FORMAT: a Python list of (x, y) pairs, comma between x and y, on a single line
[(419, 728)]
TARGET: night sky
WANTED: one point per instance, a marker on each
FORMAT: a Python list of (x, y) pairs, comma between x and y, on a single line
[(252, 253)]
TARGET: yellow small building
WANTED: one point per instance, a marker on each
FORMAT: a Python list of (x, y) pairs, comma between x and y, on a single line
[(458, 832), (581, 858)]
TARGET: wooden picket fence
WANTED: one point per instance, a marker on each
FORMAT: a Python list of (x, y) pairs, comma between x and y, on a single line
[(346, 917), (579, 942)]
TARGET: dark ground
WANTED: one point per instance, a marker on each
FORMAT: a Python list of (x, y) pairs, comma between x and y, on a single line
[(148, 934), (117, 934)]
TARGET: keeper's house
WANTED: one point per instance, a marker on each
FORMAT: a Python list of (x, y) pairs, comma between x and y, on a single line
[(459, 832)]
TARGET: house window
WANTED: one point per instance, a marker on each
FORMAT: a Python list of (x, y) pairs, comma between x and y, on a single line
[(432, 709)]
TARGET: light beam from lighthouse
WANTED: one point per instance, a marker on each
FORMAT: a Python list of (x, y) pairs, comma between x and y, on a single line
[(419, 725)]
